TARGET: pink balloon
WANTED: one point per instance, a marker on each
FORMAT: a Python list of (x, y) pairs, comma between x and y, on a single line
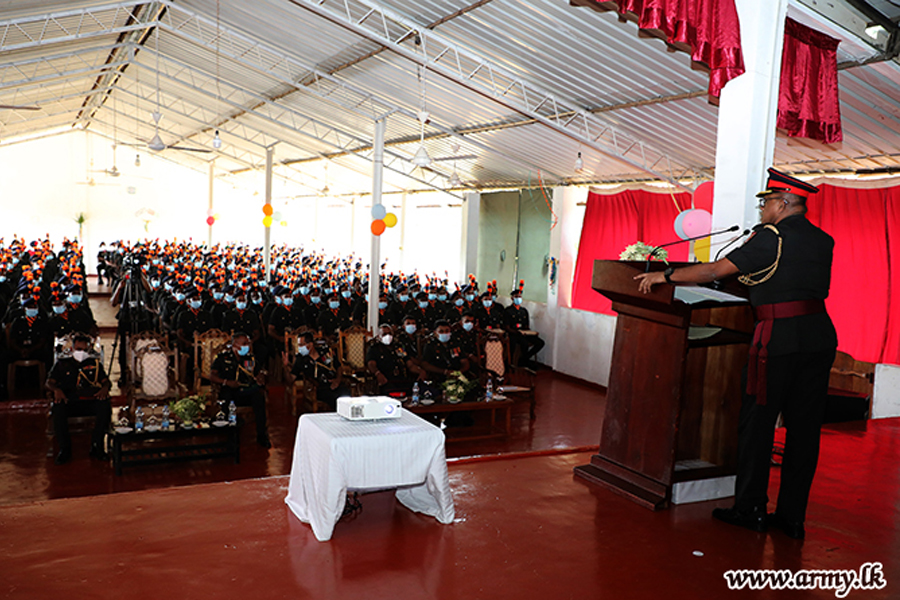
[(696, 222)]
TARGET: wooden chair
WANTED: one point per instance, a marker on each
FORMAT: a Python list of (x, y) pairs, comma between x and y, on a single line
[(159, 376), (135, 343), (516, 382), (206, 347), (353, 345), (852, 378)]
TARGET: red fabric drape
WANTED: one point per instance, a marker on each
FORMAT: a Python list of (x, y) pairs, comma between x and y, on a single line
[(864, 302), (710, 27), (612, 222), (808, 101)]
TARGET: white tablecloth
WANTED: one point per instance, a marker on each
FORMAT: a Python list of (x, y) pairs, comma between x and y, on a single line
[(332, 455)]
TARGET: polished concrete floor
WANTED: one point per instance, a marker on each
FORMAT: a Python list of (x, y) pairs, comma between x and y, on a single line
[(525, 527)]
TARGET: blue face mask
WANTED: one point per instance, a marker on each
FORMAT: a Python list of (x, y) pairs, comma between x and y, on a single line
[(154, 283), (278, 300), (470, 297), (229, 298), (287, 301), (304, 289), (468, 325), (59, 309), (303, 351), (195, 304), (31, 312), (517, 301), (423, 304), (244, 350), (315, 299), (382, 305), (179, 297), (168, 287), (459, 302), (442, 297), (155, 261), (334, 304), (198, 263), (443, 337), (487, 303), (257, 301), (410, 329), (241, 305), (345, 294), (403, 297), (432, 296), (2, 278), (75, 298), (218, 295)]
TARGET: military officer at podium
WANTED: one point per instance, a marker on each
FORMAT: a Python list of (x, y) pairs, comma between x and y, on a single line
[(786, 265)]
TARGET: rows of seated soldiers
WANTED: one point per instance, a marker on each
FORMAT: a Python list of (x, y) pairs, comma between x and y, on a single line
[(42, 299)]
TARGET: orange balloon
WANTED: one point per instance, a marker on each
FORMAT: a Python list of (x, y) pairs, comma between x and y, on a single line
[(267, 210), (378, 226)]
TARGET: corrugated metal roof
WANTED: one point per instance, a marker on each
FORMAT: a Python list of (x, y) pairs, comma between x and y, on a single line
[(267, 48)]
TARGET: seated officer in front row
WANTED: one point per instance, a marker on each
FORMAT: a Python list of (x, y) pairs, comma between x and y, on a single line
[(391, 364), (80, 388), (243, 382), (319, 364), (443, 355)]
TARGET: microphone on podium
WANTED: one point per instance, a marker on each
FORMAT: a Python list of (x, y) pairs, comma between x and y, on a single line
[(690, 239), (744, 233)]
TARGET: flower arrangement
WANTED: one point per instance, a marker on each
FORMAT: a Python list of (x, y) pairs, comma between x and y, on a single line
[(640, 250), (456, 386), (189, 408)]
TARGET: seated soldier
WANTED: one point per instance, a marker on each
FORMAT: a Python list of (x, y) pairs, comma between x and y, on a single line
[(335, 318), (242, 381), (317, 363), (244, 317), (80, 388), (28, 335), (489, 314), (517, 322), (63, 322), (191, 320), (391, 364), (442, 355), (466, 337)]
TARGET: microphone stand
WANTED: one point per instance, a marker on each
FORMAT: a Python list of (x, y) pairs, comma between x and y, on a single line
[(690, 239)]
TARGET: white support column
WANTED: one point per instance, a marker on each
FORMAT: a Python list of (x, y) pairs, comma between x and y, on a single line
[(400, 260), (375, 255), (267, 245), (212, 172), (747, 113), (468, 252)]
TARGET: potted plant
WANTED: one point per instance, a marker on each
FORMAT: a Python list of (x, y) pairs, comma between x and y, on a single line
[(639, 251), (187, 409), (456, 386)]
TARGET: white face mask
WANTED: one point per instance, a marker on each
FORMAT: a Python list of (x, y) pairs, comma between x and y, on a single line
[(79, 355), (386, 339)]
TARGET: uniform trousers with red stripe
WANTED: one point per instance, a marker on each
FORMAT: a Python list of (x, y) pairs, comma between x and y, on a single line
[(797, 387)]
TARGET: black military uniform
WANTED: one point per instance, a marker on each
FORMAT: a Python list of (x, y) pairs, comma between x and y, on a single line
[(232, 367), (66, 323), (323, 370), (446, 356), (332, 320), (788, 269), (489, 316), (80, 382), (517, 320), (391, 361)]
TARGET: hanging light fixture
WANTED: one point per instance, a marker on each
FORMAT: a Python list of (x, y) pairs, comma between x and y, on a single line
[(579, 164), (454, 180), (421, 158), (217, 141), (137, 160)]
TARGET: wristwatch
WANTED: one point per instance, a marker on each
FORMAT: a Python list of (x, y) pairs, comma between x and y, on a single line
[(668, 275)]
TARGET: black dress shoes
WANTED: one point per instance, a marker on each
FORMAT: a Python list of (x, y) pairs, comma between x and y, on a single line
[(754, 520), (263, 440), (792, 529), (98, 453), (63, 457)]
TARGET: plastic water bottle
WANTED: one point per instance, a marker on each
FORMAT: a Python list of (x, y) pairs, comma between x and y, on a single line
[(232, 413), (139, 419), (489, 390), (415, 394), (164, 424)]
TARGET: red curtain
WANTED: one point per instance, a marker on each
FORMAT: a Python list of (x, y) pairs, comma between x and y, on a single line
[(612, 222), (808, 102), (864, 301), (710, 27)]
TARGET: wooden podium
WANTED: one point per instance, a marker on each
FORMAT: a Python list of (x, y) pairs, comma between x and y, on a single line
[(674, 387)]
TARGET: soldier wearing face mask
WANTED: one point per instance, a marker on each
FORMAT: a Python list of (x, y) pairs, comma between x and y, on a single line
[(518, 327), (466, 337), (80, 387), (317, 363), (390, 363), (316, 305), (442, 354), (284, 318), (27, 335), (408, 336), (456, 307), (402, 305), (244, 317), (335, 317), (242, 381), (191, 321), (420, 312), (62, 322), (489, 313)]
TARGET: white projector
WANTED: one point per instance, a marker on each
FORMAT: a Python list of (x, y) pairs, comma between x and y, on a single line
[(366, 408)]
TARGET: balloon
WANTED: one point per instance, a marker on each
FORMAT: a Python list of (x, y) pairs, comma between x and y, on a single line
[(701, 249), (210, 212), (267, 210), (284, 223), (276, 216), (378, 227), (210, 220), (703, 196), (267, 221), (378, 211), (390, 219), (697, 222)]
